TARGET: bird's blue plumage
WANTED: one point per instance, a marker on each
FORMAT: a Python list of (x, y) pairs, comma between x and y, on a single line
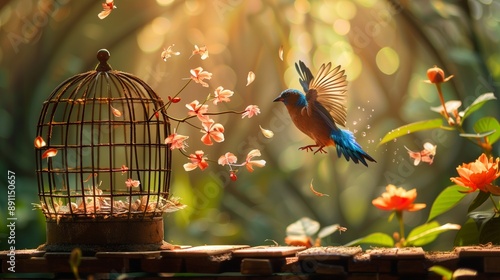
[(318, 112), (346, 145)]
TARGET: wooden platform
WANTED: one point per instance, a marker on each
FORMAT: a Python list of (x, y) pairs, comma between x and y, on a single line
[(263, 262)]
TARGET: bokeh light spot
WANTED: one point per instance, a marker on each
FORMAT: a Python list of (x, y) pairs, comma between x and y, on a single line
[(164, 2), (387, 60), (346, 9), (302, 6), (148, 40), (160, 25), (341, 26)]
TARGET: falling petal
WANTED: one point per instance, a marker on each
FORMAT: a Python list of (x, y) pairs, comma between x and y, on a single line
[(250, 78), (316, 192), (49, 153), (106, 9), (39, 142), (281, 53), (430, 148), (266, 132), (115, 111)]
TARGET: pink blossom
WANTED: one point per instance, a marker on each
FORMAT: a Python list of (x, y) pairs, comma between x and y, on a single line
[(212, 130), (168, 52), (197, 109), (222, 95), (202, 51), (250, 111), (249, 163), (426, 155), (176, 141), (197, 160), (227, 158), (198, 75), (132, 183)]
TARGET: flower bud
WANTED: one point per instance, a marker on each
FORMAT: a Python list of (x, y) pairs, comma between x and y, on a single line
[(174, 99), (435, 75)]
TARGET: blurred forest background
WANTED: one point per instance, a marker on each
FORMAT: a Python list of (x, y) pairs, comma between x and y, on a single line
[(385, 47)]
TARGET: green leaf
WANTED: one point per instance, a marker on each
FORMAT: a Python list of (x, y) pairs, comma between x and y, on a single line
[(490, 231), (443, 271), (478, 103), (480, 199), (446, 200), (426, 233), (375, 239), (481, 218), (303, 227), (468, 234), (488, 124), (410, 128), (477, 135), (324, 232)]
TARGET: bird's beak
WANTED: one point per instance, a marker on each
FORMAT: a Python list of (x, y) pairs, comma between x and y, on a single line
[(279, 98)]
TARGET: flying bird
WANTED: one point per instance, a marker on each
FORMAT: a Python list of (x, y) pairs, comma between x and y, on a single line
[(319, 112)]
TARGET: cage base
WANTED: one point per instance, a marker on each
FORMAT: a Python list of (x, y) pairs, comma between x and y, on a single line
[(105, 236)]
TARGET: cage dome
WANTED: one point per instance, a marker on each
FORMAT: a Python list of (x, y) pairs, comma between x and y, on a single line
[(101, 161)]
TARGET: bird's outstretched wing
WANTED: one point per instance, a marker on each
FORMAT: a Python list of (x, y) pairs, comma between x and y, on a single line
[(328, 89), (305, 75)]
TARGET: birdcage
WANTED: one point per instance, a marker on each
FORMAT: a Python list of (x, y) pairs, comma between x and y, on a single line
[(102, 166)]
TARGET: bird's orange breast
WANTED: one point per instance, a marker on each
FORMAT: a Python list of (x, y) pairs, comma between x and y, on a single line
[(311, 125)]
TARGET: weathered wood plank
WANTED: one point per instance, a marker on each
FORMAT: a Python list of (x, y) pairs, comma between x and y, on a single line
[(268, 251)]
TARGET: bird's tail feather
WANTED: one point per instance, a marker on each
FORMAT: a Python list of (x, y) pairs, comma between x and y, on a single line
[(346, 145)]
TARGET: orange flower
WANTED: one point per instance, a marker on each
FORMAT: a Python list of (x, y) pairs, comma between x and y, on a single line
[(398, 199), (197, 109), (222, 95), (212, 130), (198, 75), (197, 160), (176, 141), (479, 174), (436, 75), (249, 163), (227, 158)]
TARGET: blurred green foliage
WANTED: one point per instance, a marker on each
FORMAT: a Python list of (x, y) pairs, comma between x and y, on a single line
[(385, 47)]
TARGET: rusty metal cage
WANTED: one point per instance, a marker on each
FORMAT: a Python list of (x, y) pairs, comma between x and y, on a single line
[(101, 157)]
